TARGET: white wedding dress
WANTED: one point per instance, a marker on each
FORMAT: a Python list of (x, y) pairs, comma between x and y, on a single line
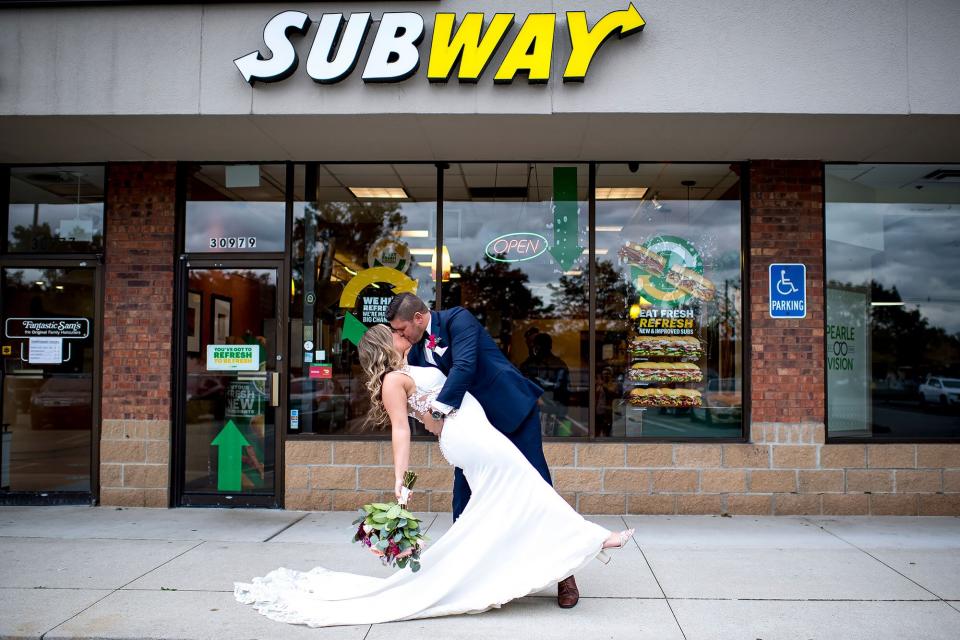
[(516, 536)]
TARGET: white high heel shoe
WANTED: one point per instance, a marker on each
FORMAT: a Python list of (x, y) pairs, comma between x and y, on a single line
[(622, 538)]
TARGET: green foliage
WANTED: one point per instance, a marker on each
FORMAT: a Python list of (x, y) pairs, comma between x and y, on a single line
[(391, 524)]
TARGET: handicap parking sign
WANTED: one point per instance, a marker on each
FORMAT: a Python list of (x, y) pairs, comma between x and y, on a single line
[(788, 291)]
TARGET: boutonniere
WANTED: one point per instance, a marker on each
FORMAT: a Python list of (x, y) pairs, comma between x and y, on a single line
[(434, 343)]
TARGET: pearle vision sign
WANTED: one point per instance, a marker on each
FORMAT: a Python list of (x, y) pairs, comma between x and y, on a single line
[(465, 49)]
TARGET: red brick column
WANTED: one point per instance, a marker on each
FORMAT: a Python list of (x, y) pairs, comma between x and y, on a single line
[(137, 334), (786, 225)]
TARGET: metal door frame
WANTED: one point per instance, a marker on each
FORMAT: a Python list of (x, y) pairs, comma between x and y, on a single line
[(95, 263), (178, 496)]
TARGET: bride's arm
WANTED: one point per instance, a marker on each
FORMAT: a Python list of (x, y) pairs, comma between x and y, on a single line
[(395, 403)]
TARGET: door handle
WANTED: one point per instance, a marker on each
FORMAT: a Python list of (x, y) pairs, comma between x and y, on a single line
[(275, 389)]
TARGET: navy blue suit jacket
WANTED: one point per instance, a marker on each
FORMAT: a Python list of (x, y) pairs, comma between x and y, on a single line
[(473, 362)]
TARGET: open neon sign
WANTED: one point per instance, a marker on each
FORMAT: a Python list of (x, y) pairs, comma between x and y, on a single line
[(516, 247)]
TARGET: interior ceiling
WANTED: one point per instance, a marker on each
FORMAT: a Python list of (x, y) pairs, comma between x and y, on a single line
[(472, 137)]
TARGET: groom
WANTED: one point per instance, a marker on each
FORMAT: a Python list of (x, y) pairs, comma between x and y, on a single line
[(453, 341)]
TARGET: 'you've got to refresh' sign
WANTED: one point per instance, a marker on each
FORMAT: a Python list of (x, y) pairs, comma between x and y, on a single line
[(233, 357)]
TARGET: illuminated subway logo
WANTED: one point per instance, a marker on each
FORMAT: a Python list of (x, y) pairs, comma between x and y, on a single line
[(516, 247), (468, 47)]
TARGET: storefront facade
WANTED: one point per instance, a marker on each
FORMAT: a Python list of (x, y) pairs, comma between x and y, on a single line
[(713, 240)]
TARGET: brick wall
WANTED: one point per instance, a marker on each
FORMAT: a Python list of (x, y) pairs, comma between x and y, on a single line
[(786, 225), (137, 335), (785, 468)]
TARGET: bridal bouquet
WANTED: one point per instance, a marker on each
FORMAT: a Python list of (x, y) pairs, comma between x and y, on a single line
[(390, 531)]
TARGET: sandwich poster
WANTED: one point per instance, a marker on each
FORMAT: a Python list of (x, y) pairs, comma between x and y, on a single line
[(668, 271)]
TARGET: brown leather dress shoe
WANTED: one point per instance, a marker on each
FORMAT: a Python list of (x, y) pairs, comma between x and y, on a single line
[(567, 593)]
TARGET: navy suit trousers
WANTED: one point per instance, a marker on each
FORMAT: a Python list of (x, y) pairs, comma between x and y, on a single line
[(527, 438)]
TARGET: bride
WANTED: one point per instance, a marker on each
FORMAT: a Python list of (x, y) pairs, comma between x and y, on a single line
[(516, 536)]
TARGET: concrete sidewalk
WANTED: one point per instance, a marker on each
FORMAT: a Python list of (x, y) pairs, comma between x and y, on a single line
[(81, 572)]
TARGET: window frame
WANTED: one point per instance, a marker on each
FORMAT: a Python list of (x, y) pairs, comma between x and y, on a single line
[(95, 260), (828, 439), (285, 434)]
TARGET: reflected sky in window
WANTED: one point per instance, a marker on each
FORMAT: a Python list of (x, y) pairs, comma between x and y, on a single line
[(912, 247)]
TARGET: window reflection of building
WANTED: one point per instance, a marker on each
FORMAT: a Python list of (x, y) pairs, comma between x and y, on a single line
[(500, 223), (892, 299), (689, 218), (235, 208), (347, 220), (55, 209), (515, 252)]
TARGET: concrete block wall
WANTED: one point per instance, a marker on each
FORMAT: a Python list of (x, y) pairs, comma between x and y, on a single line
[(792, 473), (137, 335)]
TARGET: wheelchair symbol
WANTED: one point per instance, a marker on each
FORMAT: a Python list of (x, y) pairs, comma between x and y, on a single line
[(785, 285)]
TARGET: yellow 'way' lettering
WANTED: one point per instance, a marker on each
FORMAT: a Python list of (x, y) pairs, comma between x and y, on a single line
[(466, 45), (585, 42), (531, 51)]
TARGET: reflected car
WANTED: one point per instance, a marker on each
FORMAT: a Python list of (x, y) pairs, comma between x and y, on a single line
[(62, 403), (322, 403), (944, 391), (722, 402)]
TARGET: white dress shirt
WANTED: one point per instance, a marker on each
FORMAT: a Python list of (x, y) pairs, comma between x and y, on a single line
[(428, 354)]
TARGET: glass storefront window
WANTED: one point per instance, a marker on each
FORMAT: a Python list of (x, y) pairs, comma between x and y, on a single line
[(235, 208), (514, 237), (55, 209), (48, 378), (893, 301), (669, 283), (361, 234)]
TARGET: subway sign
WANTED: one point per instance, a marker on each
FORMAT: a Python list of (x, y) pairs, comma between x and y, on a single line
[(465, 49)]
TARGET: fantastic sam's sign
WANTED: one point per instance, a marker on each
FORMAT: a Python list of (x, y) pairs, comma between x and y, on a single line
[(468, 47)]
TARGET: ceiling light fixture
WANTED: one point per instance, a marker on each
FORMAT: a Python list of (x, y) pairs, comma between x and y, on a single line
[(609, 229), (688, 184), (366, 193), (621, 193), (887, 304)]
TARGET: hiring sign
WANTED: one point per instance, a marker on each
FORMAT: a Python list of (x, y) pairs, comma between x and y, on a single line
[(468, 47)]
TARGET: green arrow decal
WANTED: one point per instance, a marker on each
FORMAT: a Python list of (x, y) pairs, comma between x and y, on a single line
[(230, 443), (353, 329), (566, 249)]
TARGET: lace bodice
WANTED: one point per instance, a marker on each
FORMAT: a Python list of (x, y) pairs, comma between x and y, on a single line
[(429, 381)]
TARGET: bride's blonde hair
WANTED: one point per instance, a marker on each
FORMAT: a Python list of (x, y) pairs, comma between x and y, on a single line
[(378, 358)]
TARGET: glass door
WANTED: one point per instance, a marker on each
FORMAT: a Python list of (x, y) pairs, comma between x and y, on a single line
[(49, 400), (230, 383)]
